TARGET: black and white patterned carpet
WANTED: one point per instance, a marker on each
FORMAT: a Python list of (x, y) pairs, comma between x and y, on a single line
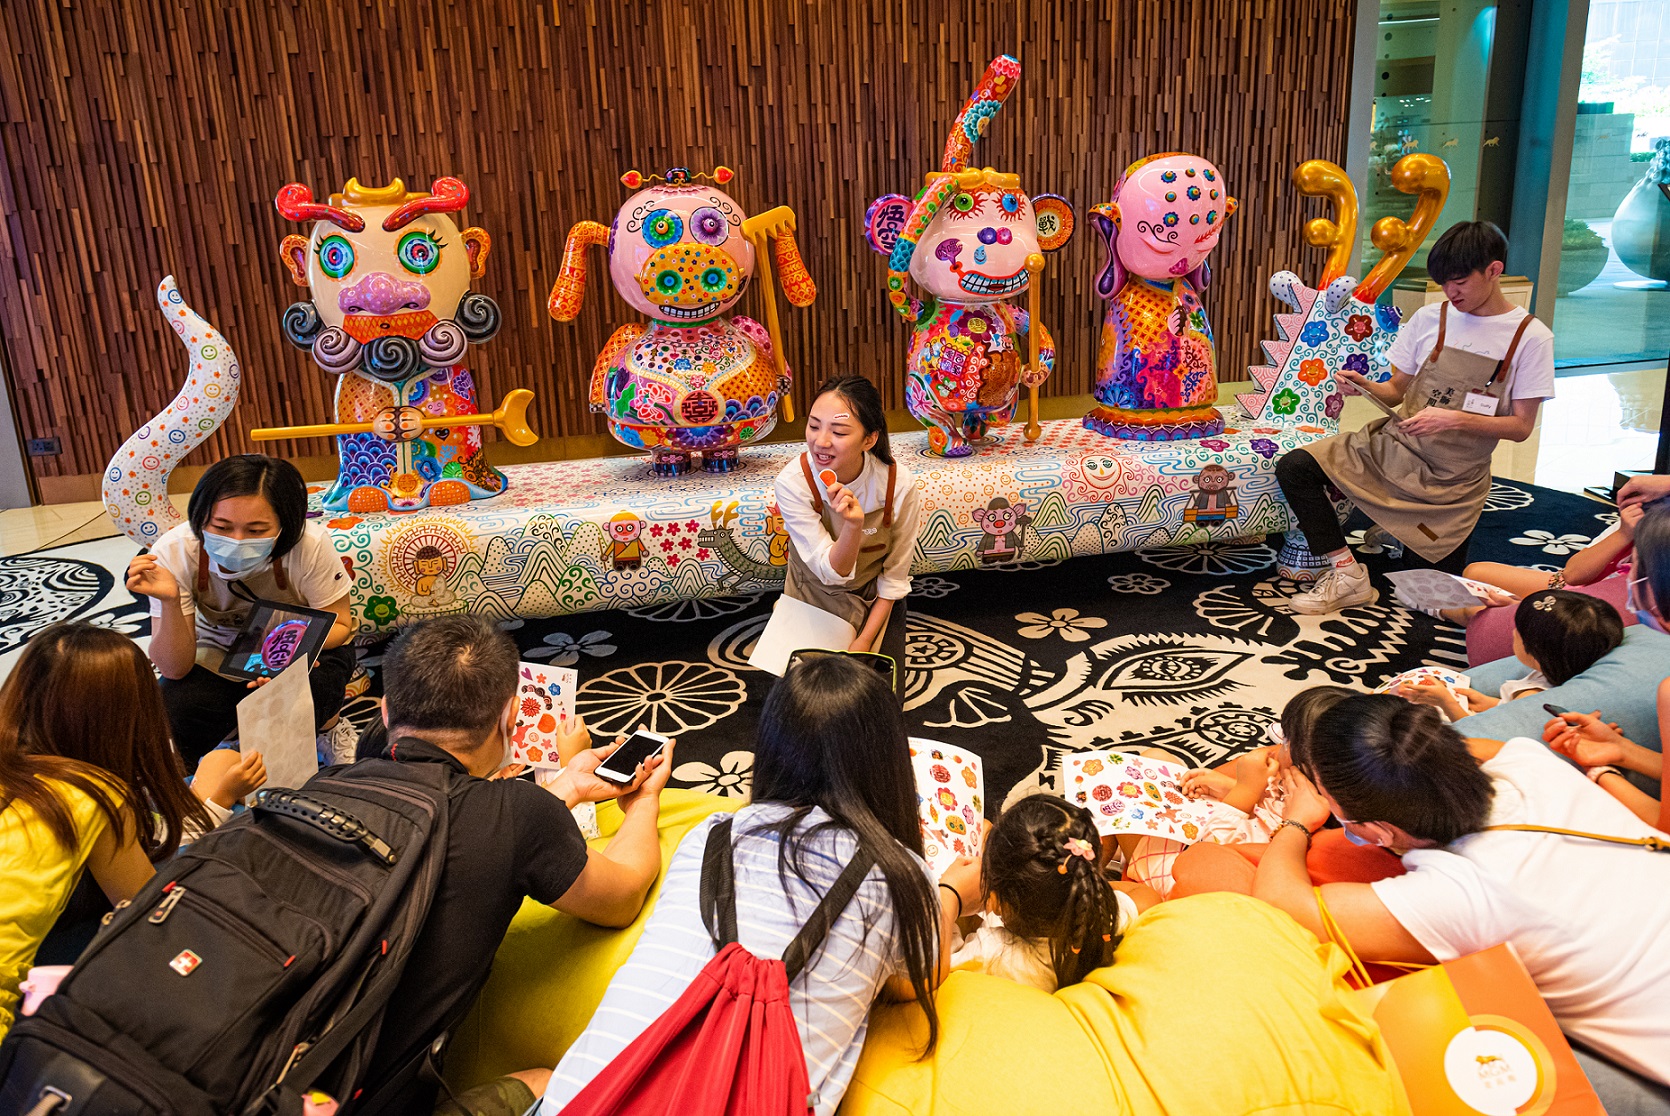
[(1192, 651)]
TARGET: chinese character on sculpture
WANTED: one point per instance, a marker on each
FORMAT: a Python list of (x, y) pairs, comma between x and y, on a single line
[(391, 316), (972, 239), (692, 380), (1156, 368)]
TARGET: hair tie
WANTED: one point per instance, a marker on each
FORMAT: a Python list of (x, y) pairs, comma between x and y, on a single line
[(1075, 846)]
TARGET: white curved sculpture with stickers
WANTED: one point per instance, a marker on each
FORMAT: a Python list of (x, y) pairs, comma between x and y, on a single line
[(136, 480)]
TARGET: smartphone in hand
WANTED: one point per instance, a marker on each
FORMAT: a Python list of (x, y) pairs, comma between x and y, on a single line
[(622, 764), (1554, 710)]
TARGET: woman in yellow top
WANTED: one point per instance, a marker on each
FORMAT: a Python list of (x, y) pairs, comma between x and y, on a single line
[(88, 779)]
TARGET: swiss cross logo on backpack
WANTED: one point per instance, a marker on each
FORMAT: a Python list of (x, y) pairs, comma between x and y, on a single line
[(186, 963), (730, 1046)]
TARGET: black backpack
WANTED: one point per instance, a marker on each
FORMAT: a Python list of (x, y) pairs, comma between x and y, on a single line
[(255, 966)]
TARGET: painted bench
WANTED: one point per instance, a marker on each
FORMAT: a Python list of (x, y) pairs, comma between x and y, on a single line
[(576, 536)]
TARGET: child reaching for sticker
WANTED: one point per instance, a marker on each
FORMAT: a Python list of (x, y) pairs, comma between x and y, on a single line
[(1049, 916), (851, 513), (1558, 634)]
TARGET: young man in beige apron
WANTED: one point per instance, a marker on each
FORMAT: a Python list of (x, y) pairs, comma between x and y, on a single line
[(1483, 369)]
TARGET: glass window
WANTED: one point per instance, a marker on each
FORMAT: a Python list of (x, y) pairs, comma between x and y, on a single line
[(1613, 303)]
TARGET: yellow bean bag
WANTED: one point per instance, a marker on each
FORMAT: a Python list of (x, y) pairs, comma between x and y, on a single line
[(1217, 1005), (552, 969)]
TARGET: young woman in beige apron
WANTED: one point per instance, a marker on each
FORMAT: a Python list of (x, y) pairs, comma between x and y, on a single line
[(1427, 491), (852, 515), (852, 603)]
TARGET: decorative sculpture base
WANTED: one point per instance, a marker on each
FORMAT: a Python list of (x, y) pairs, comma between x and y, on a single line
[(575, 536), (1154, 426)]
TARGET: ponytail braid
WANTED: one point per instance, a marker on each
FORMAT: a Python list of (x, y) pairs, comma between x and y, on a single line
[(1042, 863)]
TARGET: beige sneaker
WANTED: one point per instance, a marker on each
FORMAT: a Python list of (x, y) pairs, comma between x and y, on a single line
[(1337, 589)]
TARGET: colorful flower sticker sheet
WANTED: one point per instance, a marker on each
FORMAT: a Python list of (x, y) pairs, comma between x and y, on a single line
[(544, 702), (1128, 793), (950, 797)]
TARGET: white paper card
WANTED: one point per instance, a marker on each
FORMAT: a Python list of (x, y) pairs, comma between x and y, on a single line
[(1426, 675), (1436, 589), (544, 703), (277, 721), (950, 799), (796, 626), (1479, 403)]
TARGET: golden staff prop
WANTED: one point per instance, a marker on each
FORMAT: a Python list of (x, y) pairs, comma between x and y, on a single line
[(1034, 264), (511, 418), (777, 225), (1318, 178)]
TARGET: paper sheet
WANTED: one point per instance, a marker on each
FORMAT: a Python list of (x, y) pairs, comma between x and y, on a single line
[(1424, 674), (950, 798), (1436, 589), (545, 701), (1129, 793), (795, 626), (277, 721)]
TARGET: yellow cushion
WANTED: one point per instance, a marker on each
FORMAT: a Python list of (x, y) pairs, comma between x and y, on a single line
[(552, 969), (1216, 1004)]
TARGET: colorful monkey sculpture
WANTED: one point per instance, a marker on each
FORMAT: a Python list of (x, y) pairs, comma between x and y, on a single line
[(1156, 366), (692, 380), (972, 239)]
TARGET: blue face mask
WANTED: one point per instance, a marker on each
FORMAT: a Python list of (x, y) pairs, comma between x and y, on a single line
[(238, 556), (1352, 837), (1648, 620)]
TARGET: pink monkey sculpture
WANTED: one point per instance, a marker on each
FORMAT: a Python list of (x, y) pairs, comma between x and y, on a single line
[(1156, 367)]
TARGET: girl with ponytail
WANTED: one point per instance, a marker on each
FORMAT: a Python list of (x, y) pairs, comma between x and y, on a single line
[(1050, 916)]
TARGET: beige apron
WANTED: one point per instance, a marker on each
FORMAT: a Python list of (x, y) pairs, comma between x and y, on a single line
[(1427, 491), (850, 602)]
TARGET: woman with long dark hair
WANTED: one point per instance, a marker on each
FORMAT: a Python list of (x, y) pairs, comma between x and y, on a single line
[(831, 776), (852, 514), (88, 779)]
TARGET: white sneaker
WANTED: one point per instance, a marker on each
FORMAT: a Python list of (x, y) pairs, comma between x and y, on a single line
[(1338, 588), (336, 744)]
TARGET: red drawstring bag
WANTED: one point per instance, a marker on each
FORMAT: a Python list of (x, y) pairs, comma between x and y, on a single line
[(730, 1046)]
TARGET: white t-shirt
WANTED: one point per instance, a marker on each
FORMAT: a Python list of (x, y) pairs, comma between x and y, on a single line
[(1532, 372), (996, 951), (314, 571), (812, 540), (1590, 920), (831, 998)]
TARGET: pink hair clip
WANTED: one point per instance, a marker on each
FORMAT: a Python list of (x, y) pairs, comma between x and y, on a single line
[(1077, 846)]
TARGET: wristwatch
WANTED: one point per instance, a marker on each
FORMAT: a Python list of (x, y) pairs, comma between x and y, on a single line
[(1300, 826), (1594, 773)]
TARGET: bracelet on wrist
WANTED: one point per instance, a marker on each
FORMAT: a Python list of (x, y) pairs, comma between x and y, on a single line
[(1594, 773), (955, 894), (1300, 826)]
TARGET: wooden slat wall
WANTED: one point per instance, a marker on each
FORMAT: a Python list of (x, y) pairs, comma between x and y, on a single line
[(140, 139)]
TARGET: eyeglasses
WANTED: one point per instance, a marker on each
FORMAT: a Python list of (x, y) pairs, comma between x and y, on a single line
[(884, 665)]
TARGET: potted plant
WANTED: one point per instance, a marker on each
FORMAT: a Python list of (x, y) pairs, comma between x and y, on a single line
[(1582, 256)]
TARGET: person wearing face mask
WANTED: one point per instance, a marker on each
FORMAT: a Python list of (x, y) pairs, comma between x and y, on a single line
[(1589, 739), (1474, 822), (851, 513), (246, 538)]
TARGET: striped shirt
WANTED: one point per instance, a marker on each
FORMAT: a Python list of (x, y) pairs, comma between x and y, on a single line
[(831, 998)]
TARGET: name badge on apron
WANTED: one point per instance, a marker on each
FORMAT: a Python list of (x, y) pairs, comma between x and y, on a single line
[(1479, 403)]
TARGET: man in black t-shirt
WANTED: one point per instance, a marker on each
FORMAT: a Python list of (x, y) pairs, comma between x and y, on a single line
[(450, 699)]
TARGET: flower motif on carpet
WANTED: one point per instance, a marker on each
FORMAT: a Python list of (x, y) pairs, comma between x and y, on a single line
[(732, 777), (667, 698), (686, 611), (1216, 559), (1551, 543), (1146, 584), (1505, 497), (1065, 622), (932, 588), (564, 650)]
